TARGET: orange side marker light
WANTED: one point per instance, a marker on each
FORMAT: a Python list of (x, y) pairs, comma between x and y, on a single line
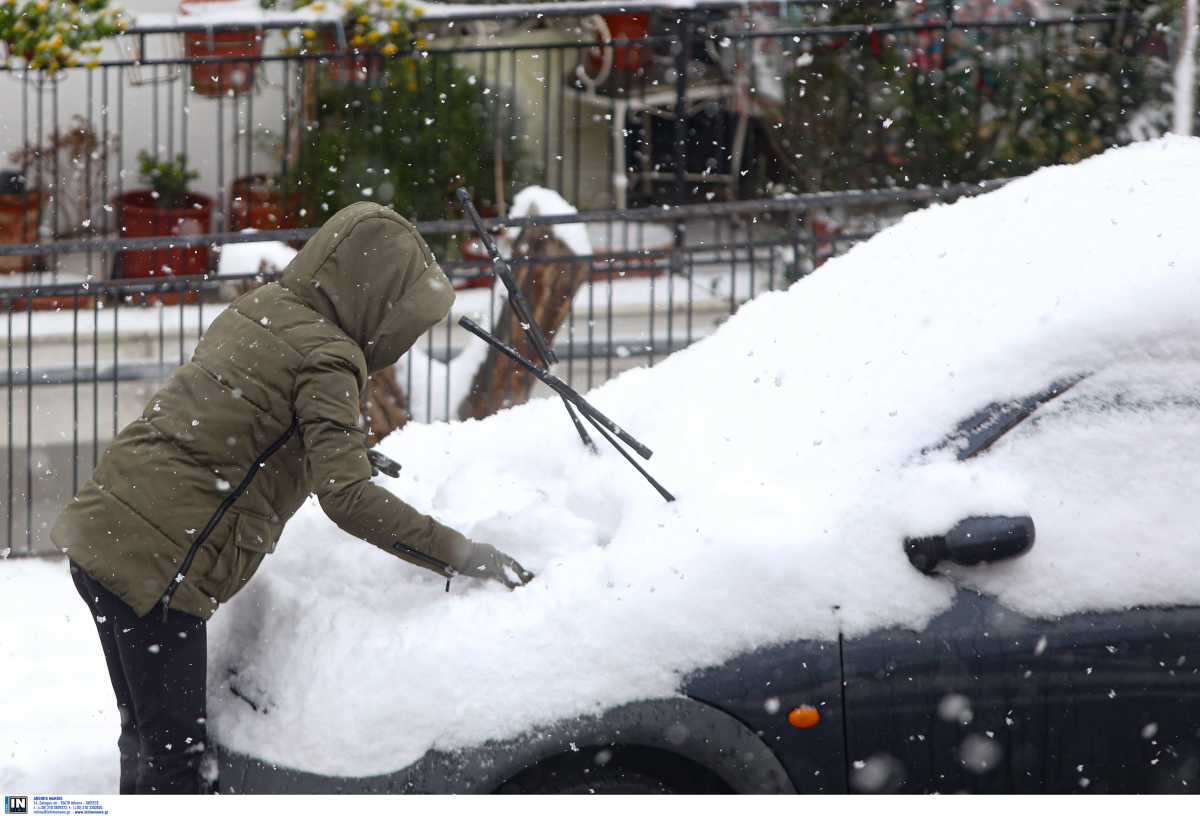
[(804, 716)]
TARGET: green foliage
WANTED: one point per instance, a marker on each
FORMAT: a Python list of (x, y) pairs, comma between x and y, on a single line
[(903, 109), (404, 139), (169, 179), (49, 36)]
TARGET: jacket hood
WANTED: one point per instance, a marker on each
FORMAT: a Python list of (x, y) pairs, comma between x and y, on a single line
[(371, 273)]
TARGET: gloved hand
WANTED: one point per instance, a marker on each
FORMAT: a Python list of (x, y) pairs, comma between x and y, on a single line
[(485, 561)]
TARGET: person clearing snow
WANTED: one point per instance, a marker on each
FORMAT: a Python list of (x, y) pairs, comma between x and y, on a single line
[(191, 496)]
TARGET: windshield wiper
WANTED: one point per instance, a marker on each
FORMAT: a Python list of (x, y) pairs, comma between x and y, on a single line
[(985, 427)]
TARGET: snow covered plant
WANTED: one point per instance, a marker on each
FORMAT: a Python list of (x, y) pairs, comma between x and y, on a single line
[(50, 36), (383, 26), (168, 178), (403, 139)]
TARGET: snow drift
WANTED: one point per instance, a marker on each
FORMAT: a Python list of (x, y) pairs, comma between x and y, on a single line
[(791, 437)]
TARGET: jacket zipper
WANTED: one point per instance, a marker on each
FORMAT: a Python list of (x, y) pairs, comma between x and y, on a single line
[(436, 564), (223, 508)]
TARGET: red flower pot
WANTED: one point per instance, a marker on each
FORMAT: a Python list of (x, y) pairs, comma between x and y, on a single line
[(626, 27), (220, 78), (256, 202), (471, 249), (19, 217), (139, 216)]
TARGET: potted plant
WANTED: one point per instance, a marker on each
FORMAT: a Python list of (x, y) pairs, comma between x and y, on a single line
[(20, 212), (403, 140), (166, 208), (263, 202), (80, 155), (221, 78), (48, 36)]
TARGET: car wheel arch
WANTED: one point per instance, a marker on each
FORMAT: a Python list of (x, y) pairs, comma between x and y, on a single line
[(690, 729)]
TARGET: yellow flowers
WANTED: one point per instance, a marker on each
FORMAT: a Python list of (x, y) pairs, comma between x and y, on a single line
[(395, 26), (374, 37), (308, 34), (390, 50)]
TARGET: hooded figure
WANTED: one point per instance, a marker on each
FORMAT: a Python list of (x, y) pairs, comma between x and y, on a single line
[(191, 496)]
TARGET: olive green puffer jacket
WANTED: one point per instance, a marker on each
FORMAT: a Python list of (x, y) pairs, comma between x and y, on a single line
[(265, 413)]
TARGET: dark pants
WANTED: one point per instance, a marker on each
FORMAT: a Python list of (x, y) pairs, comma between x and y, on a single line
[(158, 674)]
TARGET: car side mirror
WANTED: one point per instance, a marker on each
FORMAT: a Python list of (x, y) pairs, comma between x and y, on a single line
[(972, 541)]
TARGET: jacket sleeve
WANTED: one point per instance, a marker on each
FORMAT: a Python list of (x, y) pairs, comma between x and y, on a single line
[(339, 472)]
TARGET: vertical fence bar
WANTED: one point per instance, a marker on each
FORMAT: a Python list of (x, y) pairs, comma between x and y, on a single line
[(75, 393), (40, 153), (88, 210), (29, 422), (218, 216), (561, 139), (8, 503), (180, 332), (96, 379), (547, 62), (121, 152), (107, 206), (116, 357), (55, 139), (682, 51)]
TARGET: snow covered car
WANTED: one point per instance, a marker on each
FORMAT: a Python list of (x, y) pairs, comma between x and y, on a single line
[(847, 595)]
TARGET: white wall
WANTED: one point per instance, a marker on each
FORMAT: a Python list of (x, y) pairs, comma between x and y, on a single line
[(221, 126)]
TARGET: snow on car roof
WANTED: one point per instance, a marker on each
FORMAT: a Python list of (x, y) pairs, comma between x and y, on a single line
[(790, 438)]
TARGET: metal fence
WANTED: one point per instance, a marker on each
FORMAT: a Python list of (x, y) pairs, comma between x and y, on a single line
[(719, 102), (81, 360)]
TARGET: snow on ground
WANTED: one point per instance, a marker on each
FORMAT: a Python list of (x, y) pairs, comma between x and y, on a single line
[(789, 437), (58, 717)]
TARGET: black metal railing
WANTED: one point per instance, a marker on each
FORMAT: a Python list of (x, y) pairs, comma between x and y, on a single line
[(717, 102)]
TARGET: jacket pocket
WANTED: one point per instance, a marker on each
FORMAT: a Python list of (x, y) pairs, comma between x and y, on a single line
[(252, 537)]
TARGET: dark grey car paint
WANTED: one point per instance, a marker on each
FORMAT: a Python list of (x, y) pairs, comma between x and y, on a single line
[(986, 700), (710, 738)]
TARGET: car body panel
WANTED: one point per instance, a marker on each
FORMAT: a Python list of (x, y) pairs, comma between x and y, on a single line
[(688, 728), (986, 700), (761, 687)]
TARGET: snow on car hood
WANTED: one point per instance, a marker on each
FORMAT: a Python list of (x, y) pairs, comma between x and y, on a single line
[(789, 437)]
